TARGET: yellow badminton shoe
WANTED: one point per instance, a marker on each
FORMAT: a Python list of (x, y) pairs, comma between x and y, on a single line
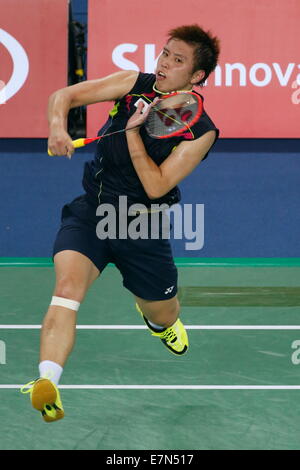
[(45, 397), (175, 337)]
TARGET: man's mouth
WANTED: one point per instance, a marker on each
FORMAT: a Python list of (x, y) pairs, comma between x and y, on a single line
[(160, 75)]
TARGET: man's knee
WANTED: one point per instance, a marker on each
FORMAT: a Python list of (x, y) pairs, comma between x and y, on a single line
[(164, 312), (70, 288)]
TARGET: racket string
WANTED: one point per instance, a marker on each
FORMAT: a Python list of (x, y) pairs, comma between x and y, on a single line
[(174, 101), (173, 114)]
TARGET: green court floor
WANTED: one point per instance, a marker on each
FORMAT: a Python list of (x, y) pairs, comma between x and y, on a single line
[(243, 325)]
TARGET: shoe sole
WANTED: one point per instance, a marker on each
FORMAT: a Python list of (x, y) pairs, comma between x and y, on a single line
[(43, 399)]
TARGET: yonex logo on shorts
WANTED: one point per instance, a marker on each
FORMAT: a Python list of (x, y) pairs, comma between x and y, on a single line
[(152, 222), (169, 290)]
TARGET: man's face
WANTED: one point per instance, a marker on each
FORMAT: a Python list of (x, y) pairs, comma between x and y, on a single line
[(174, 70)]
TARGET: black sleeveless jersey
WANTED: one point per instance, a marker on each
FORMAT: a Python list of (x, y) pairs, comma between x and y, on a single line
[(111, 174)]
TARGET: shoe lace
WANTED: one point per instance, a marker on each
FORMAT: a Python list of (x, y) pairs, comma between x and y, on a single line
[(168, 335), (28, 386)]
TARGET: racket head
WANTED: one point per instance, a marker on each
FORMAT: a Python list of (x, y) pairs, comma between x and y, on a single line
[(174, 114)]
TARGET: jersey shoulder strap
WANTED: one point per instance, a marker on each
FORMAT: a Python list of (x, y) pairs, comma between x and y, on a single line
[(144, 84)]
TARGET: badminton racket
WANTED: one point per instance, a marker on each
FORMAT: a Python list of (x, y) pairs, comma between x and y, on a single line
[(171, 116)]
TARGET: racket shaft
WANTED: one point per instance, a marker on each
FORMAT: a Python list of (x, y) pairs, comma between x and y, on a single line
[(82, 142)]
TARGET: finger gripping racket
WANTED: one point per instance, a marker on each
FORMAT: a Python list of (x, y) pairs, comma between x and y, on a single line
[(171, 116)]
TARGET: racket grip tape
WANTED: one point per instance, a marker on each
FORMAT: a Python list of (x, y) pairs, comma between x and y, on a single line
[(79, 143)]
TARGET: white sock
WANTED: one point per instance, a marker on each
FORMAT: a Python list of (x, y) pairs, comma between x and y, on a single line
[(156, 327), (50, 370)]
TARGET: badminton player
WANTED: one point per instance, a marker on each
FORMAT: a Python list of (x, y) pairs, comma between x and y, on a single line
[(130, 164)]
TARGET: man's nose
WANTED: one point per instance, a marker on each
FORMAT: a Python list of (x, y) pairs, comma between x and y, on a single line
[(165, 62)]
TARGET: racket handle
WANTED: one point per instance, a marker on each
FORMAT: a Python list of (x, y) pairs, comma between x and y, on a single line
[(77, 143)]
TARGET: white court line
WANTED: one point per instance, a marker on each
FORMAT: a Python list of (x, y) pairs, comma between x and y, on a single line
[(142, 327), (167, 387)]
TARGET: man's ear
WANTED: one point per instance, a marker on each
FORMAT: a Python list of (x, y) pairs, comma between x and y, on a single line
[(198, 76)]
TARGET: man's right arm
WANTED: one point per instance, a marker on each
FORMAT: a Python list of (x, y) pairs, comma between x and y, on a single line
[(109, 88)]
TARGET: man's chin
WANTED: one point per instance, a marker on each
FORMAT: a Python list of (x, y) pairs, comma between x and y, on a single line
[(162, 87)]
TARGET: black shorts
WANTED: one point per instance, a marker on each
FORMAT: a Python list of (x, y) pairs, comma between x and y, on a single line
[(146, 265)]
